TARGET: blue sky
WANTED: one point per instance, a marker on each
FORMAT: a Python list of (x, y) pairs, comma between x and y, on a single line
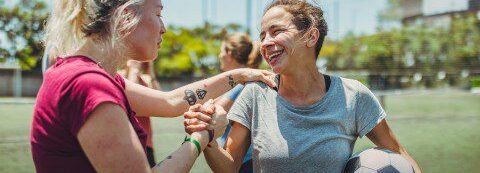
[(359, 16)]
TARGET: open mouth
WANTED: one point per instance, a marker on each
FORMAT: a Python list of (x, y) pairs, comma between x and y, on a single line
[(274, 57)]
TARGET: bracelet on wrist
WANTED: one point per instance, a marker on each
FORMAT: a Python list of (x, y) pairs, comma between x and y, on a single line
[(194, 141), (211, 134)]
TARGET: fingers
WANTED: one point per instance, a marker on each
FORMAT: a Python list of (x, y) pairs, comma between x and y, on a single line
[(220, 110), (195, 107), (197, 115), (269, 80), (208, 107), (194, 125), (195, 128), (268, 73)]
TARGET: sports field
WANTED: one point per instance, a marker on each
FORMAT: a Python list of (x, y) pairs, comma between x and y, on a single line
[(440, 129)]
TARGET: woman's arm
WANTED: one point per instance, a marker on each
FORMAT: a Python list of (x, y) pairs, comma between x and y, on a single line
[(229, 159), (221, 160), (111, 144), (146, 101), (383, 137)]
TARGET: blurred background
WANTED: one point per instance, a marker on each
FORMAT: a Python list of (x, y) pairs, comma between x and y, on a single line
[(420, 57)]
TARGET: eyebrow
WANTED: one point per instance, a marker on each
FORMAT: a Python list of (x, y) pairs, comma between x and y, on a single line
[(270, 28)]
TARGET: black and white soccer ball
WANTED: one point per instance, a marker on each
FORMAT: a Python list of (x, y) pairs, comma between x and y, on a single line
[(375, 160)]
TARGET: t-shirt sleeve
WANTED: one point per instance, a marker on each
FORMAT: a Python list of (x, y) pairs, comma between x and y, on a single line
[(85, 93), (368, 111), (241, 111)]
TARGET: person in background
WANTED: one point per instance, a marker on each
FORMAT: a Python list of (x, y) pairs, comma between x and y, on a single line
[(238, 50), (142, 73)]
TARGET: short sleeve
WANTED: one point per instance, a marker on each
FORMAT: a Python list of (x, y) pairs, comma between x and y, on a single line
[(85, 93), (241, 111), (368, 111)]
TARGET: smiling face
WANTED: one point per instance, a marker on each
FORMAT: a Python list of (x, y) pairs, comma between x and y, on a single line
[(146, 38), (280, 40)]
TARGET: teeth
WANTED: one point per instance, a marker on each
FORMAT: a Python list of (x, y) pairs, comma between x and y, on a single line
[(275, 54)]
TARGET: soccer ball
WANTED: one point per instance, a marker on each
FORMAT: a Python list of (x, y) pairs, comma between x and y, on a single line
[(375, 160)]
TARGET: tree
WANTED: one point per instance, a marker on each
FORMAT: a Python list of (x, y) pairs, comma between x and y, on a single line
[(191, 51), (23, 25)]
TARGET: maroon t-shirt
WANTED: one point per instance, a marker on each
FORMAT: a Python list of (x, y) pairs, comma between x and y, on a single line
[(71, 90)]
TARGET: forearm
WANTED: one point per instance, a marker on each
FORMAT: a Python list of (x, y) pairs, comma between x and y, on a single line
[(201, 91), (218, 159), (150, 102), (174, 103), (183, 159)]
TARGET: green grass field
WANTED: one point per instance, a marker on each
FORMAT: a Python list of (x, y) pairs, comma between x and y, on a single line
[(440, 130)]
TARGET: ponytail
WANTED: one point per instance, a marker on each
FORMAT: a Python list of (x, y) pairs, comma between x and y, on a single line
[(73, 22), (243, 50), (255, 57), (64, 28)]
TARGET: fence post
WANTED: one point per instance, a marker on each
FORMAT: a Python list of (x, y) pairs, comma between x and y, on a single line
[(17, 84)]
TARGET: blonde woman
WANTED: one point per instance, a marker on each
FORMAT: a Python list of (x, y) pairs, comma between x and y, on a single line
[(84, 116)]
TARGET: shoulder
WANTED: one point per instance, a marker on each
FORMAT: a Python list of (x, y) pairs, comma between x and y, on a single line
[(81, 72), (256, 86), (94, 79), (353, 85)]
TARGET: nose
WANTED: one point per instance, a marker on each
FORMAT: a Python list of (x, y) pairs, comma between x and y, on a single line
[(266, 43), (162, 28)]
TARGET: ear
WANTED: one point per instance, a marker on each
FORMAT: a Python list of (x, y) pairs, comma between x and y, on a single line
[(312, 37)]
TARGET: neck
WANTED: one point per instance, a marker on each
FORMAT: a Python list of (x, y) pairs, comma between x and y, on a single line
[(104, 58), (302, 86)]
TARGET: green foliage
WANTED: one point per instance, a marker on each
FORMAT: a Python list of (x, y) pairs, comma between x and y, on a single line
[(417, 48), (23, 25), (475, 81), (194, 51)]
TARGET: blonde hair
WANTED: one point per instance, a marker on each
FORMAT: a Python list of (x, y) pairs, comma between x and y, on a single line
[(243, 49), (105, 22)]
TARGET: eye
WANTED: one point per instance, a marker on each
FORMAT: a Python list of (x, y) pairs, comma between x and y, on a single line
[(276, 32), (262, 36)]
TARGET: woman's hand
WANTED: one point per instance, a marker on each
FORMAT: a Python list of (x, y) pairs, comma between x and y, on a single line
[(244, 75), (206, 117)]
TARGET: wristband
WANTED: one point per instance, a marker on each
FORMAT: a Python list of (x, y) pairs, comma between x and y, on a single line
[(197, 144), (210, 135)]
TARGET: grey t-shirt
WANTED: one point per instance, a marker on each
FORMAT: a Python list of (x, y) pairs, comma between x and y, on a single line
[(316, 138)]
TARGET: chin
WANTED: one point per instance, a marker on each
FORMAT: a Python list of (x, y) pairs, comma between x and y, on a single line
[(153, 57)]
